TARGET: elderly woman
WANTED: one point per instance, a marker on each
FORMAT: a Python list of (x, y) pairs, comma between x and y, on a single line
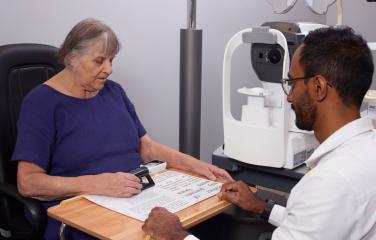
[(78, 133)]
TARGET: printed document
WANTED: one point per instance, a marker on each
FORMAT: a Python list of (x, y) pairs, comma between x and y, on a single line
[(173, 190)]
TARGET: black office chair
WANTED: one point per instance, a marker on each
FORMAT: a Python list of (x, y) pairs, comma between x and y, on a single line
[(22, 67)]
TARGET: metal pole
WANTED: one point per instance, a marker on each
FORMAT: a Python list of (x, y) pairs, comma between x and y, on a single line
[(190, 85), (61, 231), (339, 13), (191, 21)]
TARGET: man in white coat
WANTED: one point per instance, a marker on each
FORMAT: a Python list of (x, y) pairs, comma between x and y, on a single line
[(329, 75)]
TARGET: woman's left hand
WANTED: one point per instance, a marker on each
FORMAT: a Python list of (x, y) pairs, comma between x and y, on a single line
[(210, 171)]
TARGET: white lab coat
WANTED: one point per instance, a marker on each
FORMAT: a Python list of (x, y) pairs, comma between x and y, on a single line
[(336, 199)]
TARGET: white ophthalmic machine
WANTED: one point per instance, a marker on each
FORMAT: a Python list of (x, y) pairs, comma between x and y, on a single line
[(266, 134)]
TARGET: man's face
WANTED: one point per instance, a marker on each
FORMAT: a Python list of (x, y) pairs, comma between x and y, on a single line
[(299, 97)]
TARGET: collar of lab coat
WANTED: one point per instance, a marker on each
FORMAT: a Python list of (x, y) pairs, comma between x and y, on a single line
[(338, 138)]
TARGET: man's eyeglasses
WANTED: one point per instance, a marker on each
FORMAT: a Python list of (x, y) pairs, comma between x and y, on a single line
[(288, 83)]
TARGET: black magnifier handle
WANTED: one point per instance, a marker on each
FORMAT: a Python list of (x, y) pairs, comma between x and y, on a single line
[(149, 184)]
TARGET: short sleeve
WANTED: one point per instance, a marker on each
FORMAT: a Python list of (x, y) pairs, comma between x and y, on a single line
[(35, 132), (132, 111)]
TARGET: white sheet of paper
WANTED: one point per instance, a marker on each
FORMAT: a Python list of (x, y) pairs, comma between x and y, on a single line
[(173, 191)]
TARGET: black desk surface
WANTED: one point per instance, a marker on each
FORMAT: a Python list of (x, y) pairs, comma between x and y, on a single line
[(275, 178)]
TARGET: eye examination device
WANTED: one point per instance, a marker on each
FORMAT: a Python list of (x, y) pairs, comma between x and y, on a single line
[(266, 134)]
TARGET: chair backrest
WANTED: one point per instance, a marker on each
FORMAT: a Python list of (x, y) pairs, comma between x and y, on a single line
[(22, 67)]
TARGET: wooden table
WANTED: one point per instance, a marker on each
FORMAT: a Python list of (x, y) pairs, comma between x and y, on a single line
[(103, 223)]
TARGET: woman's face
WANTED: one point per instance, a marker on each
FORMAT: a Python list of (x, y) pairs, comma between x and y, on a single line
[(92, 68)]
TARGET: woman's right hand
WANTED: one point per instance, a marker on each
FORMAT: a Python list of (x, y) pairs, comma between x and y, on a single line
[(118, 184)]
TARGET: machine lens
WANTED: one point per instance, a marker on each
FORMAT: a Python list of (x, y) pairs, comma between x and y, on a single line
[(274, 56)]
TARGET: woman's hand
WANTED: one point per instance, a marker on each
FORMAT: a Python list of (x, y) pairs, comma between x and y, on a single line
[(34, 182), (210, 171), (149, 150), (118, 184)]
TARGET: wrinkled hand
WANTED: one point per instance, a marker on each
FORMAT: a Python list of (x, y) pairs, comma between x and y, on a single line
[(210, 171), (239, 194), (118, 184), (163, 225)]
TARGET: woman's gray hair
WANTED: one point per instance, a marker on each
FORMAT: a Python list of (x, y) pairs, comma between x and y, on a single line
[(85, 33)]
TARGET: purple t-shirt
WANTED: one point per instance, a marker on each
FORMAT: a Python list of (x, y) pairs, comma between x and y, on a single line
[(68, 136)]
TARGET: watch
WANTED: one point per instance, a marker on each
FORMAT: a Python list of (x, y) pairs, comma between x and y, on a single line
[(268, 209)]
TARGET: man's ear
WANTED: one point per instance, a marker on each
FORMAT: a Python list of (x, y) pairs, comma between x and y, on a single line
[(319, 88)]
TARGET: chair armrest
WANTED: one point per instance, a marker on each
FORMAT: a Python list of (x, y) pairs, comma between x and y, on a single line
[(36, 214)]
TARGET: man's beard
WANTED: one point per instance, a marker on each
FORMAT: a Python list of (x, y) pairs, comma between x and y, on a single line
[(305, 112)]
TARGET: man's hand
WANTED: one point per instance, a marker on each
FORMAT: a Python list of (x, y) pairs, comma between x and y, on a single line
[(239, 194), (163, 225)]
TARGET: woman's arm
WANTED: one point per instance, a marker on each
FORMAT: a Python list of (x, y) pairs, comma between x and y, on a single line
[(152, 150), (33, 182)]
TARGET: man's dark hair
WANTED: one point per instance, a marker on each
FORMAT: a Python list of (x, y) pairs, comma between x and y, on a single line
[(343, 58)]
